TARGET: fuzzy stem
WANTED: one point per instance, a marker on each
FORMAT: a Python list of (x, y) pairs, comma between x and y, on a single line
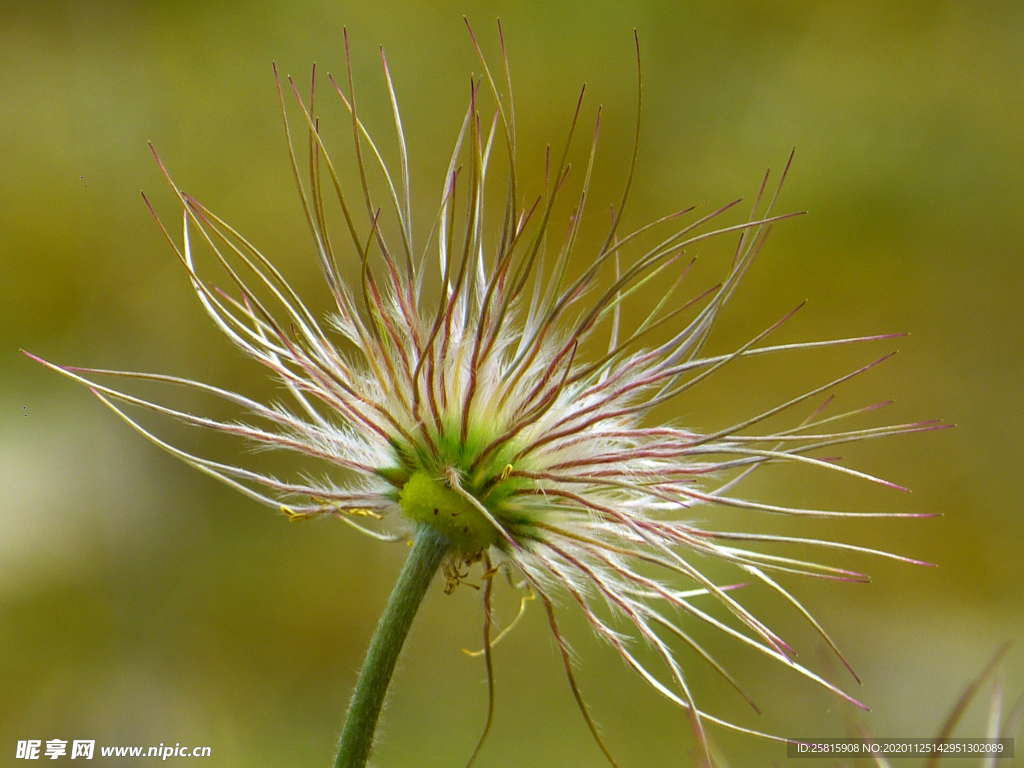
[(428, 549)]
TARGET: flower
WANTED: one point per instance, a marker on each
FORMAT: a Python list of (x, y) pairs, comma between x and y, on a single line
[(466, 398)]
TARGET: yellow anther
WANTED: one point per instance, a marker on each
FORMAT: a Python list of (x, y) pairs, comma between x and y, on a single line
[(297, 517), (329, 506), (362, 512), (506, 471)]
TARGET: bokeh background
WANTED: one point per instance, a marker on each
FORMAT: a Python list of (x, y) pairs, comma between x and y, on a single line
[(142, 603)]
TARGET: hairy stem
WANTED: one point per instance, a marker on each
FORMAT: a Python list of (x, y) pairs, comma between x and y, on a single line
[(428, 549)]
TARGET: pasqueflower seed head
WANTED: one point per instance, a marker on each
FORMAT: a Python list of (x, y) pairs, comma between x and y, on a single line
[(456, 384)]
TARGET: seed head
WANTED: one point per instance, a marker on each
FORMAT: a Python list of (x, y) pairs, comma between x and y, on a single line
[(457, 386)]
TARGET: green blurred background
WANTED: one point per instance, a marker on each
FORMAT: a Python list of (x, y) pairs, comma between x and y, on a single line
[(141, 602)]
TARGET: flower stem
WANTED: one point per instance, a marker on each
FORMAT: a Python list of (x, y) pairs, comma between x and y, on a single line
[(428, 549)]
